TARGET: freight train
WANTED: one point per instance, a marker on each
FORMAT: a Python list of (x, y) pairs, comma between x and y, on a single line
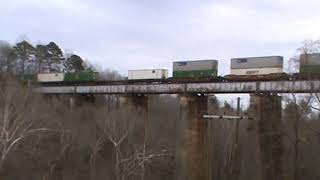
[(242, 69)]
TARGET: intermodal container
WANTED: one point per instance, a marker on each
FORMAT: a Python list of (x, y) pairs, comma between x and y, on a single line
[(195, 69), (310, 63), (257, 65), (50, 77), (81, 76), (147, 74)]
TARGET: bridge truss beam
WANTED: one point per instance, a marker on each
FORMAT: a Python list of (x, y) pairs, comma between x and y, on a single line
[(181, 88)]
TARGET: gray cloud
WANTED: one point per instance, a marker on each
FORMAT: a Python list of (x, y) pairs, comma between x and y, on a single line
[(148, 33)]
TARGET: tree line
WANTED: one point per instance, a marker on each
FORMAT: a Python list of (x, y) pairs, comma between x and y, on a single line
[(25, 58)]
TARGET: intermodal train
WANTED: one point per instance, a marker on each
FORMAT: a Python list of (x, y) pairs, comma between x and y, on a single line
[(241, 69)]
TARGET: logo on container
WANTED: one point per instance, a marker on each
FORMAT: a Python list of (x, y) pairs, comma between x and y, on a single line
[(242, 60)]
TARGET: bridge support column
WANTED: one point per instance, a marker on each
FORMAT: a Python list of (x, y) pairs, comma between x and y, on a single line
[(191, 150), (267, 112)]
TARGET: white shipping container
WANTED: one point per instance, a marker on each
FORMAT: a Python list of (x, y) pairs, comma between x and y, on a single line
[(257, 62), (256, 71), (148, 74), (50, 77)]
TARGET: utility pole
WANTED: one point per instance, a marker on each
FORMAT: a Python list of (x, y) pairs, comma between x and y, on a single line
[(235, 165), (236, 157)]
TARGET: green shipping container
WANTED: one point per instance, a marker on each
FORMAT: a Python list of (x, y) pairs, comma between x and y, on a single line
[(310, 64), (310, 69), (195, 69), (81, 76), (195, 74)]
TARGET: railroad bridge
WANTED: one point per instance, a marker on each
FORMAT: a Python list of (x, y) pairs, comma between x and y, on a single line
[(193, 163), (186, 88)]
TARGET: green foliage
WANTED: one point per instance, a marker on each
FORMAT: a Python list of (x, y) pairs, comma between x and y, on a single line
[(7, 57), (24, 58), (74, 64), (54, 51), (41, 56), (55, 57), (25, 52)]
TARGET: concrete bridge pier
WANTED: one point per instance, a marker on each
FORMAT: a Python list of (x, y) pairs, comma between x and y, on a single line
[(267, 127), (191, 145)]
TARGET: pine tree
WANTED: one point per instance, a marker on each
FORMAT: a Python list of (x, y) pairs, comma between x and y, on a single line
[(41, 57), (25, 53), (55, 57), (75, 64)]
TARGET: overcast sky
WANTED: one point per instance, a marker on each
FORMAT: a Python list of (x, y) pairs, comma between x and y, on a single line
[(133, 34)]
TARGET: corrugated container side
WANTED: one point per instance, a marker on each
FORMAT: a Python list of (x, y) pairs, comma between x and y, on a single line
[(310, 59), (195, 69), (52, 77), (312, 69), (147, 74), (256, 71), (81, 76), (195, 65), (195, 74), (165, 74), (310, 63), (257, 62)]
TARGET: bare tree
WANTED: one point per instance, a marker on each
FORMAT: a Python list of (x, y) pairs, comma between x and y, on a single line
[(18, 116), (112, 75), (307, 47), (129, 159), (295, 112)]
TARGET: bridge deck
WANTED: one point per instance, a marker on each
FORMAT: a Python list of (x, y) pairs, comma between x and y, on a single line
[(179, 88)]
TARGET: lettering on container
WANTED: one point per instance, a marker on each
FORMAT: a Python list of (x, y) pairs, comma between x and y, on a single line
[(252, 72)]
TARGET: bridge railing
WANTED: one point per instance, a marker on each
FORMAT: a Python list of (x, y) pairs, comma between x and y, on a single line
[(170, 88)]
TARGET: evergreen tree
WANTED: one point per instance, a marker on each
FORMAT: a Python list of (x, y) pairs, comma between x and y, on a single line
[(41, 57), (6, 57), (74, 64), (55, 58), (25, 53)]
